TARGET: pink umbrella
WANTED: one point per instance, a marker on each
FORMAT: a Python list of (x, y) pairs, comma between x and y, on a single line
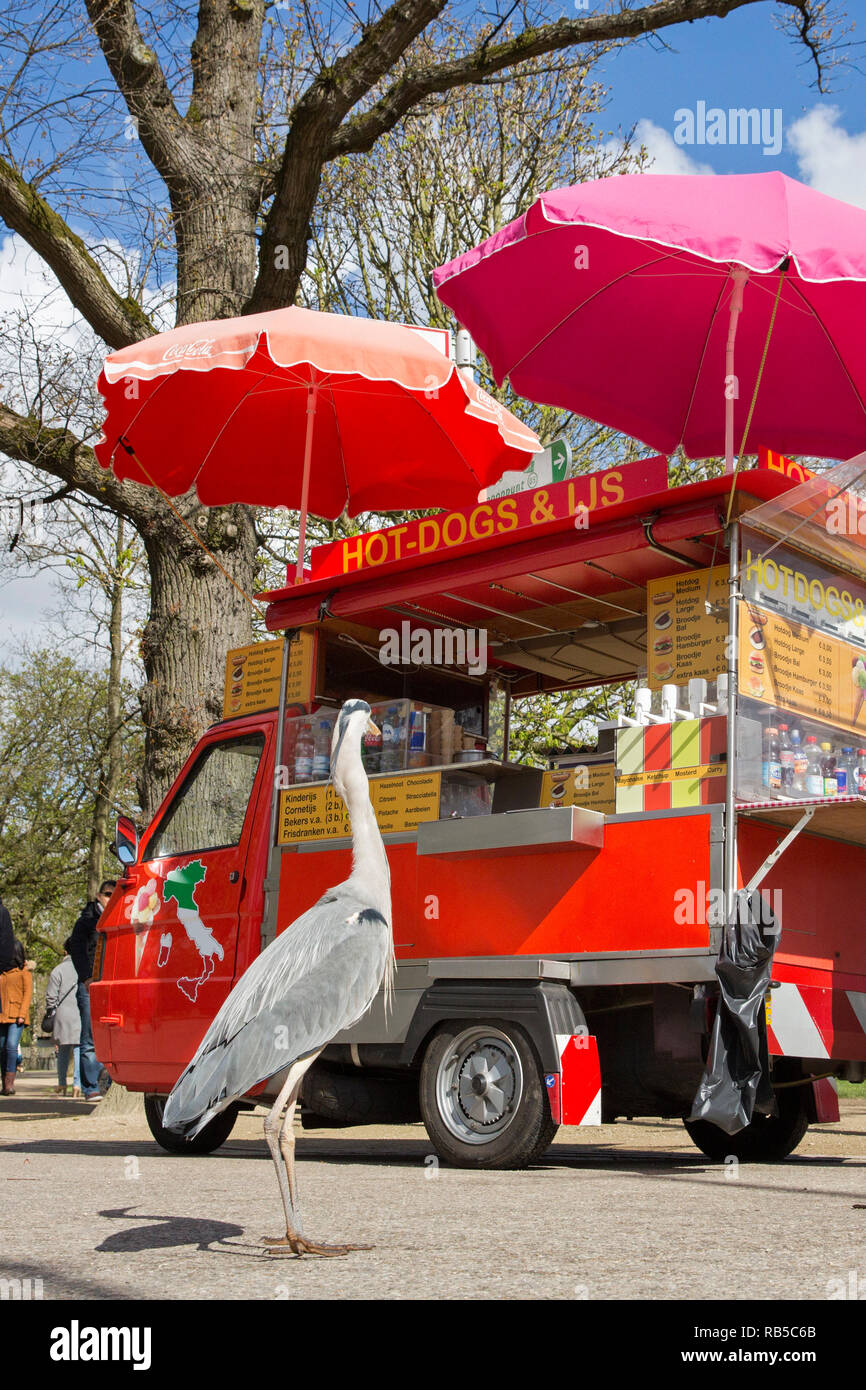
[(621, 300), (294, 408)]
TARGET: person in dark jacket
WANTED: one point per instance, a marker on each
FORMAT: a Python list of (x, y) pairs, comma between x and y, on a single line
[(7, 940), (82, 948)]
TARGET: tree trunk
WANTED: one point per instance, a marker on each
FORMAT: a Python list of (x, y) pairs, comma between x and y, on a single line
[(110, 775), (196, 616)]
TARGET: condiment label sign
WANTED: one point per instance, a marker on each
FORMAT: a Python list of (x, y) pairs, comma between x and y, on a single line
[(485, 524), (588, 785), (683, 640), (671, 774), (797, 667), (252, 680), (318, 813)]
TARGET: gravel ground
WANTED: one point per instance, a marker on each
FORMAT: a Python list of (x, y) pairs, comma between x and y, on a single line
[(630, 1210)]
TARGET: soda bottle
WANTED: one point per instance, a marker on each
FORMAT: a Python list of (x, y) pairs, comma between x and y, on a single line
[(322, 751), (771, 766), (814, 772), (846, 773), (305, 749), (786, 760), (828, 769), (801, 764), (371, 751), (393, 740), (861, 771)]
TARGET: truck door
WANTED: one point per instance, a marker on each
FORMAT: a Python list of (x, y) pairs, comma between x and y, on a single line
[(175, 958)]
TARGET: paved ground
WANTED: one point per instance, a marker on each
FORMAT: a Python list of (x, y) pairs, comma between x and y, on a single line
[(623, 1211)]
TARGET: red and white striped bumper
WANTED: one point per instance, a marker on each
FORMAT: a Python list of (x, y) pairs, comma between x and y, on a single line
[(813, 1020), (574, 1091)]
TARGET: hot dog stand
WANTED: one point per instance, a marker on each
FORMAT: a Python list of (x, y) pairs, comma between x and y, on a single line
[(557, 928)]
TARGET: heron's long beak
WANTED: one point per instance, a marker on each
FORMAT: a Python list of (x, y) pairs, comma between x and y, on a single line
[(370, 728)]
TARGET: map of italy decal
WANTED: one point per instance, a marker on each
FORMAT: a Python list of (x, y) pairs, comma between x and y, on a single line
[(180, 888)]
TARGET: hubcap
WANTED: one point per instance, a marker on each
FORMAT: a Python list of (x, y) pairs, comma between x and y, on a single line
[(479, 1085)]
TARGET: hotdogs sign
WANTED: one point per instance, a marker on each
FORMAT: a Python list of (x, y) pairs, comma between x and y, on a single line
[(484, 524)]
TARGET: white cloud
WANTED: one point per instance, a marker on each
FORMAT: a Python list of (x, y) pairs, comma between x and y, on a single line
[(828, 158), (23, 606), (28, 288), (666, 156)]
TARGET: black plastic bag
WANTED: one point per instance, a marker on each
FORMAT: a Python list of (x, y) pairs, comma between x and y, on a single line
[(736, 1082)]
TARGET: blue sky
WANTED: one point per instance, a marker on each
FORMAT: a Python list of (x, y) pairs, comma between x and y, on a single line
[(743, 61)]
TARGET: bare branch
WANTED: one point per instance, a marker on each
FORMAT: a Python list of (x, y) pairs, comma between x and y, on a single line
[(60, 453), (313, 122), (143, 86), (118, 321), (359, 134)]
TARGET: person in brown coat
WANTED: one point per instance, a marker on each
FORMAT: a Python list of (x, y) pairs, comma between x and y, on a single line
[(16, 993)]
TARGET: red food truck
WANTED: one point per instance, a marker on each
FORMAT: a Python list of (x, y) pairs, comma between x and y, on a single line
[(557, 929)]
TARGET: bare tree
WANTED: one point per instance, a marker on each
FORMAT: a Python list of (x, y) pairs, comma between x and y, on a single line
[(206, 149)]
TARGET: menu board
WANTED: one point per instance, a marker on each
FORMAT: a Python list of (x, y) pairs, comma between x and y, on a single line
[(318, 813), (795, 586), (683, 640), (801, 668), (590, 785), (252, 680)]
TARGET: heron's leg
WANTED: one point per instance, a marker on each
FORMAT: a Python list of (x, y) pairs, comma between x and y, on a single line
[(287, 1150), (283, 1141), (273, 1132)]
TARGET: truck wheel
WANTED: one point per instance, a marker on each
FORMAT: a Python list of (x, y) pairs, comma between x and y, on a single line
[(766, 1140), (215, 1133), (483, 1098)]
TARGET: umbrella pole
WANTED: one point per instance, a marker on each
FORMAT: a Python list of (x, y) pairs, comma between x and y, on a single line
[(740, 276), (312, 395)]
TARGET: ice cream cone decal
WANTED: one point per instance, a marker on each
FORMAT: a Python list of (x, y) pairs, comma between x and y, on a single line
[(145, 906), (858, 676)]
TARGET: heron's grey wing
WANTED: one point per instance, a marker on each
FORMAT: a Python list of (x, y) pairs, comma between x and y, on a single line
[(289, 957), (297, 1021)]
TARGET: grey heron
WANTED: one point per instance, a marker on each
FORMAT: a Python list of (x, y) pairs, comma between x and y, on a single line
[(316, 978)]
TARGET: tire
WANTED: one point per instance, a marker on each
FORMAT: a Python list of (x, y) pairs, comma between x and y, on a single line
[(104, 1083), (215, 1133), (767, 1139), (503, 1120)]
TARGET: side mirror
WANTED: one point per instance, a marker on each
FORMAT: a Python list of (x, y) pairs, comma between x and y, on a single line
[(125, 845)]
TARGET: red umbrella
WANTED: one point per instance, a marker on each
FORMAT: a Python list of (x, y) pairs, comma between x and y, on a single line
[(294, 408), (621, 299)]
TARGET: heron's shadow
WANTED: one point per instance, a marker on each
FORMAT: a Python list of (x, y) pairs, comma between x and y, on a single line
[(168, 1232)]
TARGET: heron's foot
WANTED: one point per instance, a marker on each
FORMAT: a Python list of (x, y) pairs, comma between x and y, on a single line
[(299, 1245)]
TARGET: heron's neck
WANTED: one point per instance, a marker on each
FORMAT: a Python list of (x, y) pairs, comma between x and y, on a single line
[(370, 869)]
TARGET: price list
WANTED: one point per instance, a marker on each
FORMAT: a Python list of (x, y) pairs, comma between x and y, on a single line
[(590, 786), (683, 640), (318, 813), (800, 668)]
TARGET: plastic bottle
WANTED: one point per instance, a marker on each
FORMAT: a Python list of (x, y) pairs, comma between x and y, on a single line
[(322, 751), (371, 751), (393, 740), (861, 771), (814, 772), (846, 773), (771, 766), (786, 759), (828, 768), (305, 749), (801, 764)]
